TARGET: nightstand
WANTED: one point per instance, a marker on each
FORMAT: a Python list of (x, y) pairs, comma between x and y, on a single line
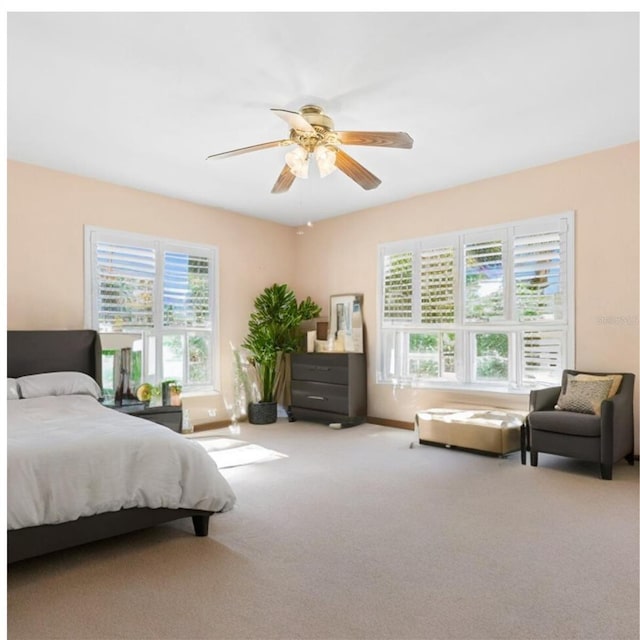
[(168, 416)]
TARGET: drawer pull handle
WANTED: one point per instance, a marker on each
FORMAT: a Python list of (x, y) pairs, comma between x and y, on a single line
[(322, 368), (316, 398)]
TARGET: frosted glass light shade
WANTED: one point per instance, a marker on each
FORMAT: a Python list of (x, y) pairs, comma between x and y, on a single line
[(326, 160), (298, 161)]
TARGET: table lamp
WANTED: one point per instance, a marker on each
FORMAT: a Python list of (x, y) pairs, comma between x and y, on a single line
[(122, 344)]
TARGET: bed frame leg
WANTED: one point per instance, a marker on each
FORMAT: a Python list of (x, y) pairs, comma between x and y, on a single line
[(201, 525)]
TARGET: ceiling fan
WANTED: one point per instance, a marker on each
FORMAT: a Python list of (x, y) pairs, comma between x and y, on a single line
[(311, 130)]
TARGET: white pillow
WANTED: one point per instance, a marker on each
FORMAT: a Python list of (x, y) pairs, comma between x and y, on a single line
[(12, 389), (60, 383)]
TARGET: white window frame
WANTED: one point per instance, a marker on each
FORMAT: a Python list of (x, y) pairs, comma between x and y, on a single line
[(397, 332), (92, 235)]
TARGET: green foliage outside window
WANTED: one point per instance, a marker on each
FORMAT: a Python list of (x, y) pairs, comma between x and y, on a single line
[(439, 349), (492, 353), (423, 343)]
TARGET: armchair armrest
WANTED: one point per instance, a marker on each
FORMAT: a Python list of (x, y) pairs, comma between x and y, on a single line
[(617, 422), (618, 410), (544, 399)]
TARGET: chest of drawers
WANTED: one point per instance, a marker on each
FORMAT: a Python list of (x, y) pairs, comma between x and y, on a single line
[(329, 387)]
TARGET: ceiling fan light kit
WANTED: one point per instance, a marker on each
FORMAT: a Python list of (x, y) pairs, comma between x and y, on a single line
[(326, 160), (298, 162), (312, 131)]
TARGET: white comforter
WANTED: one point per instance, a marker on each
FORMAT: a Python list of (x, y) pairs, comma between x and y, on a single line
[(68, 456)]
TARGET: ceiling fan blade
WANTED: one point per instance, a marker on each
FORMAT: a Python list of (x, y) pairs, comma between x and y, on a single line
[(355, 170), (255, 147), (395, 139), (294, 120), (284, 181)]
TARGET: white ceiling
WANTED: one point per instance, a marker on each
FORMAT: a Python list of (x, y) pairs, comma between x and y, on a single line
[(140, 99)]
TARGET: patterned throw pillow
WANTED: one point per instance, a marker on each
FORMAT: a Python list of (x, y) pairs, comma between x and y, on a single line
[(615, 378), (584, 396)]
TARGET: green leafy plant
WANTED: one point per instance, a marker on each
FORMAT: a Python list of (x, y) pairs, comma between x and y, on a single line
[(274, 330)]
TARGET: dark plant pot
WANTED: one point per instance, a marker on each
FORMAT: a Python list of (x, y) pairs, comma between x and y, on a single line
[(263, 412)]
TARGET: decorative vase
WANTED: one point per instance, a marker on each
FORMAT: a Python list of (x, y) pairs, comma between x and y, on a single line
[(263, 412)]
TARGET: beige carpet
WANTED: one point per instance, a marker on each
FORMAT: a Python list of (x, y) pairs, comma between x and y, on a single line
[(356, 536)]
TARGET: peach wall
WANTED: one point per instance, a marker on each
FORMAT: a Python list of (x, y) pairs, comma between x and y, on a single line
[(47, 211), (602, 188)]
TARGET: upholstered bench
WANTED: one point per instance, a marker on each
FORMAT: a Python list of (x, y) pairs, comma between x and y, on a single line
[(495, 431)]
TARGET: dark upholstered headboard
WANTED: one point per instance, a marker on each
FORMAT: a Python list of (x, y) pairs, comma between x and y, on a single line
[(30, 352)]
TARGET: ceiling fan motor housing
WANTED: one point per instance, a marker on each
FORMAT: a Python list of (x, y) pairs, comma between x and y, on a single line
[(316, 117), (322, 133)]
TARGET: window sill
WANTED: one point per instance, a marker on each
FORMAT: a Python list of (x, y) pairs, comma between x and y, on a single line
[(462, 388), (200, 393)]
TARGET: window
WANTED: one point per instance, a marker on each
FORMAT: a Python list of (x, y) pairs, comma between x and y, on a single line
[(163, 290), (486, 308)]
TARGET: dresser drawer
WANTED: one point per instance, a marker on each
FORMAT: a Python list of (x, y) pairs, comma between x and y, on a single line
[(320, 396), (331, 368)]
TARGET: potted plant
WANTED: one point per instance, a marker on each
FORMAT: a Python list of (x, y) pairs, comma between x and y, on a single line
[(274, 331)]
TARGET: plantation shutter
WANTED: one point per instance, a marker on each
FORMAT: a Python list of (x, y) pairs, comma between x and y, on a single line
[(482, 302), (542, 356), (124, 285), (397, 283), (437, 286), (539, 273), (186, 292), (484, 280)]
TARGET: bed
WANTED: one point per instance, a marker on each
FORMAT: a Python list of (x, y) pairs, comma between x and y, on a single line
[(78, 472)]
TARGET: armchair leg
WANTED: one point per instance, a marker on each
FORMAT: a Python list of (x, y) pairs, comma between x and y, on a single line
[(533, 457), (523, 443), (630, 459), (606, 471)]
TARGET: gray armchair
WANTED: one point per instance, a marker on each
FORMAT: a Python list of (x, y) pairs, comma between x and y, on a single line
[(604, 438)]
